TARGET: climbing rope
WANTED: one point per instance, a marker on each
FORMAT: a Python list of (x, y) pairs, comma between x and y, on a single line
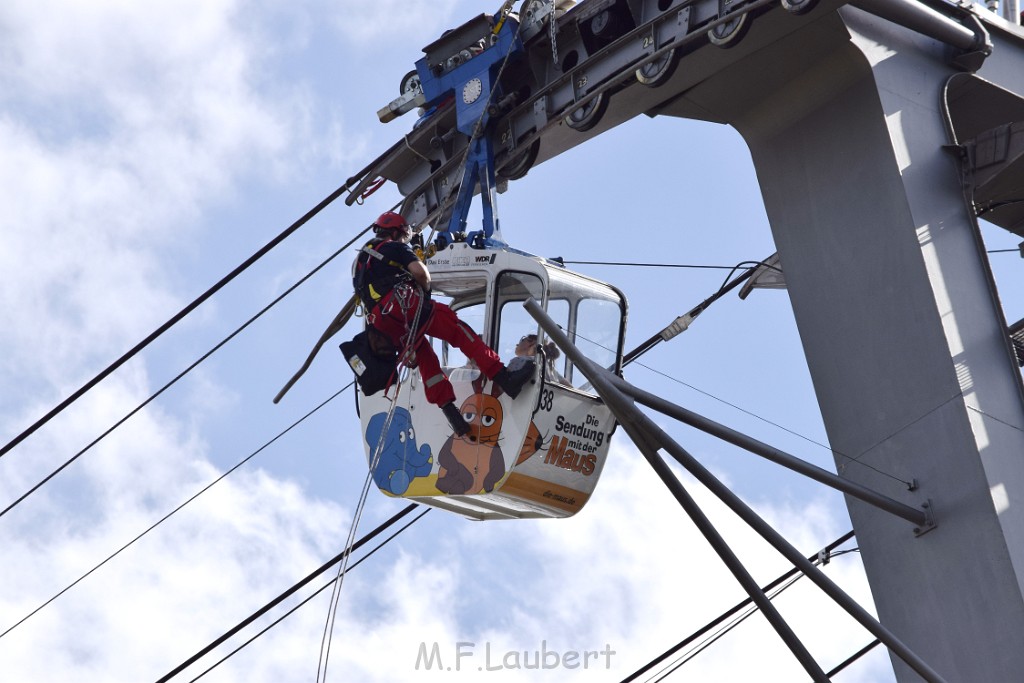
[(409, 298), (332, 612)]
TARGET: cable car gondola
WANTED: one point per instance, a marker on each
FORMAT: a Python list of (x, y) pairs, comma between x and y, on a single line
[(539, 455)]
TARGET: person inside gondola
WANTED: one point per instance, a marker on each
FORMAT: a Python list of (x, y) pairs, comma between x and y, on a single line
[(394, 286), (526, 351)]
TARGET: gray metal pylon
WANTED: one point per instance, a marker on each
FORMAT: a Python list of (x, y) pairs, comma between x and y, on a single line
[(645, 432)]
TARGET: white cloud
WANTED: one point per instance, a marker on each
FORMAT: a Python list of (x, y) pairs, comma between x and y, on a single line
[(385, 25), (120, 121), (172, 592)]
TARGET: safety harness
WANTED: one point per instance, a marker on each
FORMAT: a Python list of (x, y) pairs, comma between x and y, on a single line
[(372, 289)]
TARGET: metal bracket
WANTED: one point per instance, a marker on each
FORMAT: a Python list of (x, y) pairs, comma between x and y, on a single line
[(407, 102), (929, 523), (532, 22), (971, 60)]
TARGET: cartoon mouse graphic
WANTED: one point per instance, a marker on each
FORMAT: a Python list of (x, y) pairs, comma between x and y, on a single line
[(534, 442), (474, 462)]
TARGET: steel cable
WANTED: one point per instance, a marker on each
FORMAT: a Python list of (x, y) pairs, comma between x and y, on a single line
[(180, 375), (175, 511), (175, 319)]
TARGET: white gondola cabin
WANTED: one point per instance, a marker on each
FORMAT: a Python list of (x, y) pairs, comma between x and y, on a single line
[(539, 455)]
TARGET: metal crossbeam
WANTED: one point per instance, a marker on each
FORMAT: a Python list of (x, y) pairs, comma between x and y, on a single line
[(919, 517)]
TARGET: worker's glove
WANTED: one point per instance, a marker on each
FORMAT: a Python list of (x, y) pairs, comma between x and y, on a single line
[(423, 254)]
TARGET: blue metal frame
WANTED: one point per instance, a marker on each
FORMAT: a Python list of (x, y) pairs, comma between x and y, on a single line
[(472, 119)]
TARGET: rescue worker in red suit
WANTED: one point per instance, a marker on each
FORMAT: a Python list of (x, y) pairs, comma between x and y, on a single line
[(392, 282)]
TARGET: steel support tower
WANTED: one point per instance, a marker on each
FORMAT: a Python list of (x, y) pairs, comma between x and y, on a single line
[(904, 337)]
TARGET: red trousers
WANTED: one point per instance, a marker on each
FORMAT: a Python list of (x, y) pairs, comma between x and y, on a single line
[(393, 315)]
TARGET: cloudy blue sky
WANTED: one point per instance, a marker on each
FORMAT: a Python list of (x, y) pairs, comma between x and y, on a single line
[(149, 148)]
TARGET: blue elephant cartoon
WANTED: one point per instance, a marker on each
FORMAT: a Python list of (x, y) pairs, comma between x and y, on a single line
[(400, 459)]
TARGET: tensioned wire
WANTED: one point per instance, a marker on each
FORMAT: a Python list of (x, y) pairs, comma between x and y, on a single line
[(794, 572), (312, 595), (283, 596), (177, 509), (184, 372), (176, 318)]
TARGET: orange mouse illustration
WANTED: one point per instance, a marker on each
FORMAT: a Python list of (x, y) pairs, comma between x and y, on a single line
[(474, 462)]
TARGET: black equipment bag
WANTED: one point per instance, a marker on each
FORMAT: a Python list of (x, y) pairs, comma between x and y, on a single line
[(372, 358)]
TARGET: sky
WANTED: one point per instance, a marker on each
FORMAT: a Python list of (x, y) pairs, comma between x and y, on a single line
[(149, 148)]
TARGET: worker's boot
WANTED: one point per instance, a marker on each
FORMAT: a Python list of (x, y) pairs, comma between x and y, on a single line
[(512, 382), (455, 419)]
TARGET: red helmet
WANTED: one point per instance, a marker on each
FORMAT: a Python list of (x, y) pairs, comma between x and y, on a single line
[(389, 220)]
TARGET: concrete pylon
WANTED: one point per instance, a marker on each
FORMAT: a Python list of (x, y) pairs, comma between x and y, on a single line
[(904, 337)]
